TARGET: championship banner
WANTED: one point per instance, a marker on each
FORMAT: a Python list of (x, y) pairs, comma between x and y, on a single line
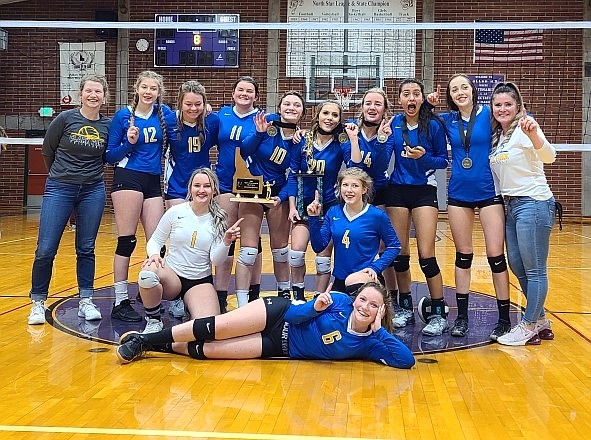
[(77, 60)]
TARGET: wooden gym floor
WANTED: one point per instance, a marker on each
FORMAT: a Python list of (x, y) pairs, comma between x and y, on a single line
[(62, 384)]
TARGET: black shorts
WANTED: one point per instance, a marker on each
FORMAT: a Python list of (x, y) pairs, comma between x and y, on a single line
[(411, 196), (147, 184), (496, 200), (275, 334), (380, 196), (186, 284)]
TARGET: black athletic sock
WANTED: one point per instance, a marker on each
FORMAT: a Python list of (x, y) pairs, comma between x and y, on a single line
[(162, 337), (405, 300), (438, 306), (504, 306), (254, 292), (462, 301), (393, 296), (223, 300), (153, 312)]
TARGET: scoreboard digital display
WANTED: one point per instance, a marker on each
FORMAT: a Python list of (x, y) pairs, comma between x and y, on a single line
[(197, 48)]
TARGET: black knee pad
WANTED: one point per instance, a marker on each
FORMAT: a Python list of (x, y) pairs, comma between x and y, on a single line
[(401, 263), (204, 328), (125, 245), (464, 261), (352, 289), (195, 349), (497, 264), (429, 266), (260, 245), (231, 249)]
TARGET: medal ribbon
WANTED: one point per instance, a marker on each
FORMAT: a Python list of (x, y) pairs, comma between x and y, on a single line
[(465, 137)]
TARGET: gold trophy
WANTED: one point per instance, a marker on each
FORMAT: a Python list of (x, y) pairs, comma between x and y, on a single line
[(246, 187)]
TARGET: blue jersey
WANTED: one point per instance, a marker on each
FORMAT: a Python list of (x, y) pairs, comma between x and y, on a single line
[(328, 335), (356, 240), (187, 153), (268, 156), (328, 162), (146, 154), (421, 171), (233, 129), (475, 183), (375, 158)]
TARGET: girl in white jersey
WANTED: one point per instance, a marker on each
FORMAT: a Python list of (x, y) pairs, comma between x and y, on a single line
[(197, 236)]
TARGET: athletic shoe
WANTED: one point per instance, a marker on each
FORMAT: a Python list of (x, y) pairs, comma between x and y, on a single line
[(88, 310), (284, 294), (519, 335), (460, 327), (177, 308), (298, 293), (543, 327), (502, 328), (403, 317), (37, 315), (153, 326), (124, 312), (436, 326), (132, 347), (534, 340)]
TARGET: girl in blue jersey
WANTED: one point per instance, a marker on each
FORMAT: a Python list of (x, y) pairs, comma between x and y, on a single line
[(332, 326), (236, 122), (419, 145), (322, 150), (375, 157), (471, 187), (355, 228), (267, 152), (137, 137), (194, 135)]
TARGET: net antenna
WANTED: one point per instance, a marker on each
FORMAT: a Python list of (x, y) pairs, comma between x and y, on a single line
[(343, 96)]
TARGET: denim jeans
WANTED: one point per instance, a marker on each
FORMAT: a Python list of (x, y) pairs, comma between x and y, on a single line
[(527, 233), (59, 200)]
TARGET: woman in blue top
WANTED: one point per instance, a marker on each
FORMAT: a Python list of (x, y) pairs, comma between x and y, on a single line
[(267, 152), (321, 151), (192, 138), (471, 187), (236, 123), (332, 326), (420, 148), (137, 139)]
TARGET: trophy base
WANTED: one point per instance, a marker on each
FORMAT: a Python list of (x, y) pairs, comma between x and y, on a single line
[(243, 199)]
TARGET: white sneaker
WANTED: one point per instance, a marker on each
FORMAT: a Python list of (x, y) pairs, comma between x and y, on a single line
[(177, 308), (519, 335), (436, 326), (153, 326), (37, 315), (403, 317), (88, 311)]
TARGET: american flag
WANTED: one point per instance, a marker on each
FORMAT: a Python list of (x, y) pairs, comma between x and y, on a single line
[(508, 45)]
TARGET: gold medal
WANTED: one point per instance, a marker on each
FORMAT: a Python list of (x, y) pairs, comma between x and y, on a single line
[(343, 137), (466, 163), (272, 130)]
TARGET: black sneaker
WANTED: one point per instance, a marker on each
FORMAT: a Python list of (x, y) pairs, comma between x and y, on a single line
[(132, 347), (124, 312), (460, 327), (502, 327), (284, 293), (298, 293)]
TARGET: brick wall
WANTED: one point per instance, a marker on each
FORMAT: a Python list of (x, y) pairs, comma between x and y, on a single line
[(30, 69)]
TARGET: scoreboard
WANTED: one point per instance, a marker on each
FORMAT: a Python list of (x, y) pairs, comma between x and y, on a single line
[(197, 48)]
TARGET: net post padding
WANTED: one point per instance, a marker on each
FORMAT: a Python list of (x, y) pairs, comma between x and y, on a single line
[(342, 95)]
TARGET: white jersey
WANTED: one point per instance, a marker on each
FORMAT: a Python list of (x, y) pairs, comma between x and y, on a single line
[(192, 247), (518, 168)]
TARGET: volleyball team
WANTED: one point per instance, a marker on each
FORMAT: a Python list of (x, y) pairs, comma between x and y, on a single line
[(329, 184)]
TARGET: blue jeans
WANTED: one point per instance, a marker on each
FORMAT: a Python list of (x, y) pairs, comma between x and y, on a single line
[(59, 200), (527, 232)]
